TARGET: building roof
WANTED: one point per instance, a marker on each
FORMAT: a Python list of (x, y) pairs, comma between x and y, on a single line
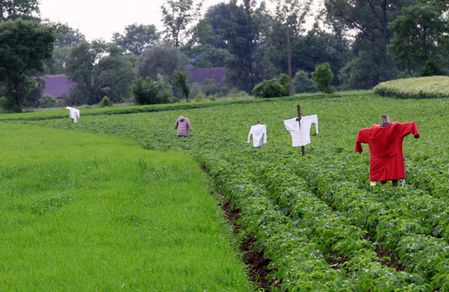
[(202, 75), (57, 85)]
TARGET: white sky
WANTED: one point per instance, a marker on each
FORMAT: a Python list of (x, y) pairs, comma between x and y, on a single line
[(101, 18)]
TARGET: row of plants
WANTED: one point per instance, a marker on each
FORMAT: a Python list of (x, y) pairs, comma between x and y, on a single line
[(342, 243), (425, 198), (417, 251), (295, 260)]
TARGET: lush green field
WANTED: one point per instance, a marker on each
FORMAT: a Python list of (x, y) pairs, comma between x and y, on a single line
[(316, 217), (422, 87), (59, 113), (87, 212)]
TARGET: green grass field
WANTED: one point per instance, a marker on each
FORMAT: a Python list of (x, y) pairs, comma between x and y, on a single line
[(89, 212), (315, 217)]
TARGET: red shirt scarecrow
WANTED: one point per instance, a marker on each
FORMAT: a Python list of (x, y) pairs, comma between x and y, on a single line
[(385, 145)]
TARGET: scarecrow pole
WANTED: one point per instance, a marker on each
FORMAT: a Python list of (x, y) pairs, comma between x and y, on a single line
[(298, 108)]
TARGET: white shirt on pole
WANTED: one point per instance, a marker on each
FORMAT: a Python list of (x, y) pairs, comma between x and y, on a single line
[(74, 113), (258, 132), (301, 136)]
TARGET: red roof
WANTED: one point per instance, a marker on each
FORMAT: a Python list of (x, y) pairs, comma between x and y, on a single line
[(57, 85)]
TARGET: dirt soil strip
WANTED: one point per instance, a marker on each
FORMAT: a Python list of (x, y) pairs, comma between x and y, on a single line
[(254, 259)]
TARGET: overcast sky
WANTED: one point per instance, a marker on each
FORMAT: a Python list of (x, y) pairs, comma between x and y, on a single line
[(101, 18)]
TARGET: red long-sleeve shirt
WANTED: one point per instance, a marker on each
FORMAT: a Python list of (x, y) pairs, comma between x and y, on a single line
[(385, 145)]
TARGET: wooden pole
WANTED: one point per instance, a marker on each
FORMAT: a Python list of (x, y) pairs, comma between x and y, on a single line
[(298, 108)]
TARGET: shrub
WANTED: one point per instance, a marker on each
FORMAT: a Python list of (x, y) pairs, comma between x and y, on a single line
[(272, 88), (323, 76), (147, 91), (180, 79), (199, 97), (303, 83), (106, 101), (47, 101)]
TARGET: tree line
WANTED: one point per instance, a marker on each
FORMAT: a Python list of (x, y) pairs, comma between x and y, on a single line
[(362, 43)]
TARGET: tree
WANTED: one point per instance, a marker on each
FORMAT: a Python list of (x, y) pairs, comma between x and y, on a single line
[(290, 14), (24, 45), (180, 80), (147, 91), (368, 20), (66, 36), (206, 47), (99, 70), (137, 37), (177, 15), (323, 76), (421, 39), (12, 9), (66, 39), (161, 60)]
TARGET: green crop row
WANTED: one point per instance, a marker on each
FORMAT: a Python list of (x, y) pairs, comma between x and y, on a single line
[(295, 260), (428, 256), (339, 240), (425, 199)]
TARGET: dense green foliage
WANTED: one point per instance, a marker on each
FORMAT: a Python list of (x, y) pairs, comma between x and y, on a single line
[(180, 80), (24, 45), (316, 217), (88, 212), (99, 69), (322, 77), (420, 41), (137, 37), (272, 88), (147, 91), (423, 87)]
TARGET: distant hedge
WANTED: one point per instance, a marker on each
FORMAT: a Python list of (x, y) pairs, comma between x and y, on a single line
[(423, 87)]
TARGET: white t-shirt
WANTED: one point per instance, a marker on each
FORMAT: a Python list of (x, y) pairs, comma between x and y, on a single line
[(74, 113), (301, 136), (258, 131)]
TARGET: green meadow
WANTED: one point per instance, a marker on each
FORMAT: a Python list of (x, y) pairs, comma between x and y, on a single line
[(90, 212)]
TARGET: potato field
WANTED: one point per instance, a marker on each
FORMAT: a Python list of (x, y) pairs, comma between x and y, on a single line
[(315, 217)]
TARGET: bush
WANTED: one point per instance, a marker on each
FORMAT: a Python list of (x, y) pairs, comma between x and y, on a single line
[(199, 97), (147, 91), (272, 88), (323, 76), (303, 83), (106, 101), (46, 101)]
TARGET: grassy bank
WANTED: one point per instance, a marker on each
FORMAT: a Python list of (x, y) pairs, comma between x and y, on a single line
[(86, 212), (423, 87)]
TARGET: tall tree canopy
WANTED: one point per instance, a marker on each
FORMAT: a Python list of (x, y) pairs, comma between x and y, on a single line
[(421, 39), (11, 9), (177, 16), (99, 69), (369, 20), (161, 61), (24, 45), (137, 37)]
